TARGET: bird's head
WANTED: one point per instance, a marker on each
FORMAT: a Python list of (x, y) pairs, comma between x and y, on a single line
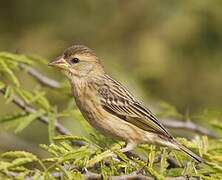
[(78, 61)]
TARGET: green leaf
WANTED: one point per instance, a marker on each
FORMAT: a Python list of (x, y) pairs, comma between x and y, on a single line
[(11, 117), (4, 165), (25, 95), (51, 160), (22, 175), (122, 156), (67, 174), (66, 146), (37, 97), (174, 172), (100, 157), (37, 175), (9, 72), (25, 121), (76, 153), (48, 149), (188, 170), (151, 156), (163, 162), (51, 126), (9, 93), (48, 176), (19, 154), (40, 99), (215, 166), (154, 173), (15, 57), (71, 138)]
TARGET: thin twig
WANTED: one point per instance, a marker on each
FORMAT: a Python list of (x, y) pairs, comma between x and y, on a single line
[(93, 176), (176, 124), (44, 80), (29, 109), (89, 176)]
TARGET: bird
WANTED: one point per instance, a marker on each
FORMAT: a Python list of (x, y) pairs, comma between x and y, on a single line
[(108, 105)]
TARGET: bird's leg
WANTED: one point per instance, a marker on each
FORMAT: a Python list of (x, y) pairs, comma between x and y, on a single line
[(129, 146)]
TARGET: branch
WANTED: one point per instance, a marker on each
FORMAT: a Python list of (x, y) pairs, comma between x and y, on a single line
[(45, 81), (29, 109), (188, 125), (90, 176)]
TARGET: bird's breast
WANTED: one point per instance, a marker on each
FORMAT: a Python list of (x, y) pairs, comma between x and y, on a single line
[(89, 104)]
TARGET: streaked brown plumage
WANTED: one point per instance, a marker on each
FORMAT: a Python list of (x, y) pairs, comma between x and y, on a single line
[(108, 106)]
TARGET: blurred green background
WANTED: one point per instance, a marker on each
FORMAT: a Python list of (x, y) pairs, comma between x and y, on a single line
[(162, 50)]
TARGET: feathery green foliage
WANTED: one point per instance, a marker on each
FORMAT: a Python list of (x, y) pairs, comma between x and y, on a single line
[(97, 153)]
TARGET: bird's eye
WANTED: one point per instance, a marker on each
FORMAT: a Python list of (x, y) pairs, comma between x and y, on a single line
[(74, 60)]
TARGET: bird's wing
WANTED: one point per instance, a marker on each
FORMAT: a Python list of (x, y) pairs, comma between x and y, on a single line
[(117, 100)]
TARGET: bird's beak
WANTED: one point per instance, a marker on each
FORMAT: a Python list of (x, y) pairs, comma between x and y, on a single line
[(59, 62)]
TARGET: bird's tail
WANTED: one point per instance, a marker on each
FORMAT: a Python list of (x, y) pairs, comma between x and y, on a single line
[(189, 152)]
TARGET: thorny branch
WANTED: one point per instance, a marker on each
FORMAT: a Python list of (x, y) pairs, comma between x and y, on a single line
[(46, 81)]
